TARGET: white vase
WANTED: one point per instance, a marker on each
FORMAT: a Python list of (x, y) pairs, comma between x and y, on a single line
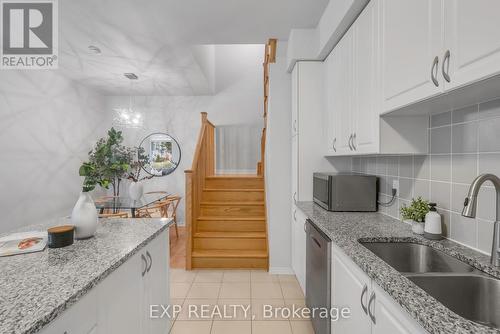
[(84, 217), (135, 190)]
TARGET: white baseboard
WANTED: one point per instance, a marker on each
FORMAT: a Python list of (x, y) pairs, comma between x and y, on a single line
[(281, 271)]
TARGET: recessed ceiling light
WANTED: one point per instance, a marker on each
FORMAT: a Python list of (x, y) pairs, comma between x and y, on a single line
[(94, 50), (131, 76)]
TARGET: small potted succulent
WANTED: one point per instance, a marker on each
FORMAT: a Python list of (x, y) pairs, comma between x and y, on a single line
[(415, 214)]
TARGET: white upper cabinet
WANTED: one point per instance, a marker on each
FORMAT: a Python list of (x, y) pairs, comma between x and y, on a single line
[(472, 38), (342, 93), (366, 104), (338, 93), (354, 94), (329, 114), (411, 51), (295, 102)]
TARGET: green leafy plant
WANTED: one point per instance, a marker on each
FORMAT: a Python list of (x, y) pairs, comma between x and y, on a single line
[(416, 211), (92, 177), (137, 165), (109, 162)]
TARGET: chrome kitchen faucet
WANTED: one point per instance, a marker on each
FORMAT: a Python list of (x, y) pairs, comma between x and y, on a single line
[(470, 206)]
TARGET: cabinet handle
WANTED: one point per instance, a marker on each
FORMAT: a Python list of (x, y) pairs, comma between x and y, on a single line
[(305, 227), (446, 63), (349, 142), (295, 197), (372, 315), (365, 290), (145, 264), (434, 71), (295, 215), (150, 261), (335, 144), (353, 140)]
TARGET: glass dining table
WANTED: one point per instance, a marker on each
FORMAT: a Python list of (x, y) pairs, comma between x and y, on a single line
[(116, 204)]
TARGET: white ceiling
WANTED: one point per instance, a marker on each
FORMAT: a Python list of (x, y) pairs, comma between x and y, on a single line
[(155, 38)]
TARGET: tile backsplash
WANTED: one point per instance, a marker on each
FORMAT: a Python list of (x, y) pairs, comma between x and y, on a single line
[(463, 144)]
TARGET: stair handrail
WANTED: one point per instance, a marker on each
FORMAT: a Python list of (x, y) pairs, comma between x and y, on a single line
[(203, 166)]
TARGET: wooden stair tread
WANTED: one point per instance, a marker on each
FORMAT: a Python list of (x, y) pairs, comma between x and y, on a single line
[(235, 176), (232, 203), (229, 253), (239, 235), (235, 190), (224, 218)]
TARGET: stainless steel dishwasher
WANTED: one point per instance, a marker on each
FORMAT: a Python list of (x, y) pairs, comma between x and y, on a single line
[(318, 275)]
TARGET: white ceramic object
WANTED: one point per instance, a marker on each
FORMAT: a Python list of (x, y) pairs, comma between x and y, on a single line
[(84, 217), (433, 224), (416, 227), (136, 190)]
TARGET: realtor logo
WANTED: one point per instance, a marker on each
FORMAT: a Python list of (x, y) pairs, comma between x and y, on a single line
[(29, 34)]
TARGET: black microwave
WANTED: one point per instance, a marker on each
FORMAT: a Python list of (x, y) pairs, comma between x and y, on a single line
[(345, 192)]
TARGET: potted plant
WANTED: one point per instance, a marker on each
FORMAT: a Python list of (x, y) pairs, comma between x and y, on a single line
[(84, 215), (136, 188), (111, 159), (415, 214)]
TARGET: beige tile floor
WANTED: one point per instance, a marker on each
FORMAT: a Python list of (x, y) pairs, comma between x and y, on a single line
[(249, 288)]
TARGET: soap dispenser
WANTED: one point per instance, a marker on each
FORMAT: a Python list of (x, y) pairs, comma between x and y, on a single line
[(433, 229)]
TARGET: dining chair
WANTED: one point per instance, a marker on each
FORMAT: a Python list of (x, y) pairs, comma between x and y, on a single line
[(156, 210), (104, 199), (114, 215), (171, 210)]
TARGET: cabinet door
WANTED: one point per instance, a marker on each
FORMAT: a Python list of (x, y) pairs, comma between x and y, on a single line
[(300, 244), (342, 92), (120, 299), (472, 35), (80, 318), (295, 99), (295, 169), (157, 284), (350, 288), (366, 102), (390, 317), (329, 111), (411, 39)]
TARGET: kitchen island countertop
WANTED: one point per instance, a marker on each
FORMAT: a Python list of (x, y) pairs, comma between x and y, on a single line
[(35, 288)]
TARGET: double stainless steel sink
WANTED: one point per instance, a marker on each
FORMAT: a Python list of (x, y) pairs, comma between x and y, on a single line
[(462, 288)]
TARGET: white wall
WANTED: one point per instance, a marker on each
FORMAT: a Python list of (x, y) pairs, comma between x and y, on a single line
[(48, 124), (278, 159), (237, 100)]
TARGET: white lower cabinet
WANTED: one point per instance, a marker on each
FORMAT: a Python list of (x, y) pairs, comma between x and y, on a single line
[(389, 317), (299, 239), (120, 304), (81, 318), (373, 311), (350, 288)]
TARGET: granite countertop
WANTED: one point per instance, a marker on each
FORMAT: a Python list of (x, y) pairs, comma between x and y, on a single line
[(346, 229), (35, 288)]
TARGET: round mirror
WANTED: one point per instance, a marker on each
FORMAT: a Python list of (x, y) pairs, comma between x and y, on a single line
[(162, 154)]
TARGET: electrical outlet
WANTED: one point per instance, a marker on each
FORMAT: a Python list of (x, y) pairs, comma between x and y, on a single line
[(395, 185)]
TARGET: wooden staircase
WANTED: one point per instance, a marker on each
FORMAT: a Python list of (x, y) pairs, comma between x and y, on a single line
[(225, 214)]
